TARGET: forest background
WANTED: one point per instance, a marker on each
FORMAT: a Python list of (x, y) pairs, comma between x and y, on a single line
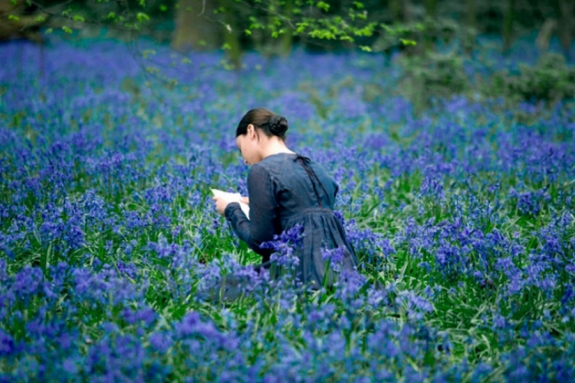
[(449, 127), (434, 37)]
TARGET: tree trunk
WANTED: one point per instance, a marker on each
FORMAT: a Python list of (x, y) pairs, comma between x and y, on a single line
[(431, 13), (508, 25), (565, 18), (286, 40), (399, 10), (471, 14), (470, 29), (195, 26), (544, 35), (394, 7), (431, 8), (231, 35), (23, 26), (406, 10)]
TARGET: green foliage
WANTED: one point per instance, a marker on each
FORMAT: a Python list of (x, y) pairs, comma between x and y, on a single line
[(551, 80), (317, 20), (258, 21), (432, 75)]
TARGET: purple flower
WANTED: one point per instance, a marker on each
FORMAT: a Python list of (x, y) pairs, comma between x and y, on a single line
[(284, 245), (334, 257), (7, 346), (161, 342), (28, 281), (146, 315)]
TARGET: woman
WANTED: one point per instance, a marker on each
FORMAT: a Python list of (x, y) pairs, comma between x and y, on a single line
[(286, 189)]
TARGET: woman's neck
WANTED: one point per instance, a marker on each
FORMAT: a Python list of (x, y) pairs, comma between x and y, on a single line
[(275, 147)]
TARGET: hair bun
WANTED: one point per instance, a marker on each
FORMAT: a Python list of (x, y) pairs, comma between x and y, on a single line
[(278, 125)]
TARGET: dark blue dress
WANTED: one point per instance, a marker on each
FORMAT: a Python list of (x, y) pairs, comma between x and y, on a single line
[(287, 189)]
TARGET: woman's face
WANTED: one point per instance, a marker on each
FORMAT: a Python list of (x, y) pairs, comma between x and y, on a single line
[(248, 146)]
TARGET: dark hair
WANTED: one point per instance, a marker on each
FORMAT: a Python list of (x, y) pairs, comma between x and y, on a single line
[(270, 123)]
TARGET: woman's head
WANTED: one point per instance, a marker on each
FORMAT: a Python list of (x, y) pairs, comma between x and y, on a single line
[(258, 129), (266, 121)]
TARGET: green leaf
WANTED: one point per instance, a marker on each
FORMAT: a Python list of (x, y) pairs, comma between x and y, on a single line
[(301, 27), (49, 30), (322, 5), (40, 19), (67, 29), (365, 48), (142, 17), (322, 34), (248, 32), (111, 15), (163, 8), (226, 46), (78, 18), (13, 17), (408, 42)]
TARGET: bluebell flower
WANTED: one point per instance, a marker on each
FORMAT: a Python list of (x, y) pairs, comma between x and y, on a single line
[(283, 246), (7, 344), (334, 257), (29, 281), (161, 342)]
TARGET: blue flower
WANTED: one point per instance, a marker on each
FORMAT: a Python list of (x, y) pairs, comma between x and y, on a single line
[(161, 342), (283, 247), (7, 345), (334, 257)]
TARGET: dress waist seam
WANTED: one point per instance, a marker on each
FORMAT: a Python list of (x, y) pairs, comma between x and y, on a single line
[(309, 211)]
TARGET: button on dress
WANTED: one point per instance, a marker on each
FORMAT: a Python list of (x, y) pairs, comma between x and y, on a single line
[(285, 190)]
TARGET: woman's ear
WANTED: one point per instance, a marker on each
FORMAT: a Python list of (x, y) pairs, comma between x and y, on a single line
[(251, 131)]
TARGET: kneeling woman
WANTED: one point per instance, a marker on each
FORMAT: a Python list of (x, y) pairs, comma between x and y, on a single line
[(286, 189)]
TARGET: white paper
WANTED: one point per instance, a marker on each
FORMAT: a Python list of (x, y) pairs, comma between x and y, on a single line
[(235, 197)]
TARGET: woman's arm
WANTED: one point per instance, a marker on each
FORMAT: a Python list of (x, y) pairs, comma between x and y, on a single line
[(263, 212)]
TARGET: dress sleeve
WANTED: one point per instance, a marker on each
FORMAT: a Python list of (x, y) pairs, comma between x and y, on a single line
[(263, 212)]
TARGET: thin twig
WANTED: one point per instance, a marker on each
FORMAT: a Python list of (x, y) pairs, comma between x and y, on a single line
[(203, 7)]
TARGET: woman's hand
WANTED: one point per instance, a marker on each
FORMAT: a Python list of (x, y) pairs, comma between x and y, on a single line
[(223, 201)]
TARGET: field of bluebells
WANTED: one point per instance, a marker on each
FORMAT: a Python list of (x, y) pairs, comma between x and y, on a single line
[(111, 250)]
